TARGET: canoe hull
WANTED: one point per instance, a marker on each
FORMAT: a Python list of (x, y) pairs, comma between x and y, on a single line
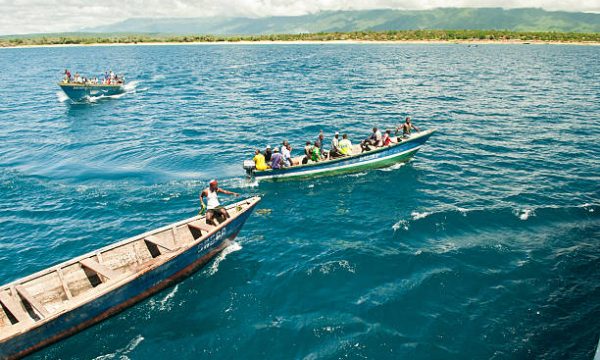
[(79, 92), (111, 303), (382, 157)]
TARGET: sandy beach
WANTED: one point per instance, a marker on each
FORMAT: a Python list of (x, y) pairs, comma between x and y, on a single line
[(321, 42)]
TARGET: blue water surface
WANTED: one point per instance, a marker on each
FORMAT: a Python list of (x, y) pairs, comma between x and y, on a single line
[(485, 246)]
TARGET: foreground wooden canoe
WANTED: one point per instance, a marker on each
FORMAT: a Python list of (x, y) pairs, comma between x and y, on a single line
[(57, 302), (359, 161)]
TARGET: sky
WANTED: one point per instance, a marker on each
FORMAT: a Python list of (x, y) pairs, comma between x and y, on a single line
[(43, 16)]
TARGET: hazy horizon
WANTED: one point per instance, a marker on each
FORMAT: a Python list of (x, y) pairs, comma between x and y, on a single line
[(34, 17)]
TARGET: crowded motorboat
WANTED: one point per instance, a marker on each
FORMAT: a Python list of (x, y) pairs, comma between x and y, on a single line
[(277, 158), (82, 88)]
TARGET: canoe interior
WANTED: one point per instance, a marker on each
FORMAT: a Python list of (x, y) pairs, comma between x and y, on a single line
[(36, 298)]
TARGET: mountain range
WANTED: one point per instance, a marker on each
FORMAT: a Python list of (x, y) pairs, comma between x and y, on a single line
[(524, 19)]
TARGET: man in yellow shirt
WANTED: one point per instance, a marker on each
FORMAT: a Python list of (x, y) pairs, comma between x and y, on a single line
[(259, 161), (345, 146)]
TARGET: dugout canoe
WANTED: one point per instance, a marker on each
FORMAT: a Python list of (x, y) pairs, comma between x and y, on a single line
[(80, 92), (376, 158), (52, 304)]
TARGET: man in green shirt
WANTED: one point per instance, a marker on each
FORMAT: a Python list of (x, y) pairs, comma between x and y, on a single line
[(315, 154)]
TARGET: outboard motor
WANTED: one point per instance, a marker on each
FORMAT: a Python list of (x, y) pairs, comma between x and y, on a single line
[(249, 166)]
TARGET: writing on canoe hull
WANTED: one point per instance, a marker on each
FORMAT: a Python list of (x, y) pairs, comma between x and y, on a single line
[(210, 242)]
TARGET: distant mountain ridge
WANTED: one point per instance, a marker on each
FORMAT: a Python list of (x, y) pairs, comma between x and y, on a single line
[(524, 19)]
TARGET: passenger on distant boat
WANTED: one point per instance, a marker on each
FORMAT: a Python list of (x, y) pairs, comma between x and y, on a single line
[(345, 146), (107, 79), (68, 77), (268, 153), (335, 146), (215, 213), (406, 128), (259, 161), (374, 140), (276, 159)]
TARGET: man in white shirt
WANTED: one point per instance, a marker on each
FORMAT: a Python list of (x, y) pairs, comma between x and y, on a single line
[(335, 146), (286, 154), (375, 140)]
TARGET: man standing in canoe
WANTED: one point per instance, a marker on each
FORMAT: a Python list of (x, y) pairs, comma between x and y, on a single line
[(406, 128), (213, 205)]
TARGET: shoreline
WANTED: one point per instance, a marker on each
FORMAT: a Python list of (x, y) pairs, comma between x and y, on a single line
[(317, 42)]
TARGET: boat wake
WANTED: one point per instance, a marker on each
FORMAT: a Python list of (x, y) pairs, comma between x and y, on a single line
[(417, 215), (122, 353), (166, 303), (130, 88), (62, 97), (393, 167), (524, 214), (442, 219), (214, 266)]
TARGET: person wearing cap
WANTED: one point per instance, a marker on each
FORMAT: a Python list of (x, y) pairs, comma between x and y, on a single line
[(276, 159), (335, 146), (259, 161), (268, 153), (213, 205)]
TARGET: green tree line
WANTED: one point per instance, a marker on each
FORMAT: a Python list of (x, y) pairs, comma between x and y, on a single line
[(406, 35)]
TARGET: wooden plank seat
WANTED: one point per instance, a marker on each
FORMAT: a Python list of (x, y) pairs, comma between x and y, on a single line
[(11, 304), (202, 227), (159, 242), (99, 269), (25, 295)]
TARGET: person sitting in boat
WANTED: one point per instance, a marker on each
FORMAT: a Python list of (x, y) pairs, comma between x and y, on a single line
[(388, 139), (374, 140), (320, 143), (406, 128), (268, 153), (286, 152), (307, 152), (276, 159), (68, 78), (213, 206), (345, 146), (335, 146), (259, 161), (315, 153)]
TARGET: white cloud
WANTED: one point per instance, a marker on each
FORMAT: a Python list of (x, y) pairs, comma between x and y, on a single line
[(39, 16)]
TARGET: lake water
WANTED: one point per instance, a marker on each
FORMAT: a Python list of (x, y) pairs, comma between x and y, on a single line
[(486, 245)]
